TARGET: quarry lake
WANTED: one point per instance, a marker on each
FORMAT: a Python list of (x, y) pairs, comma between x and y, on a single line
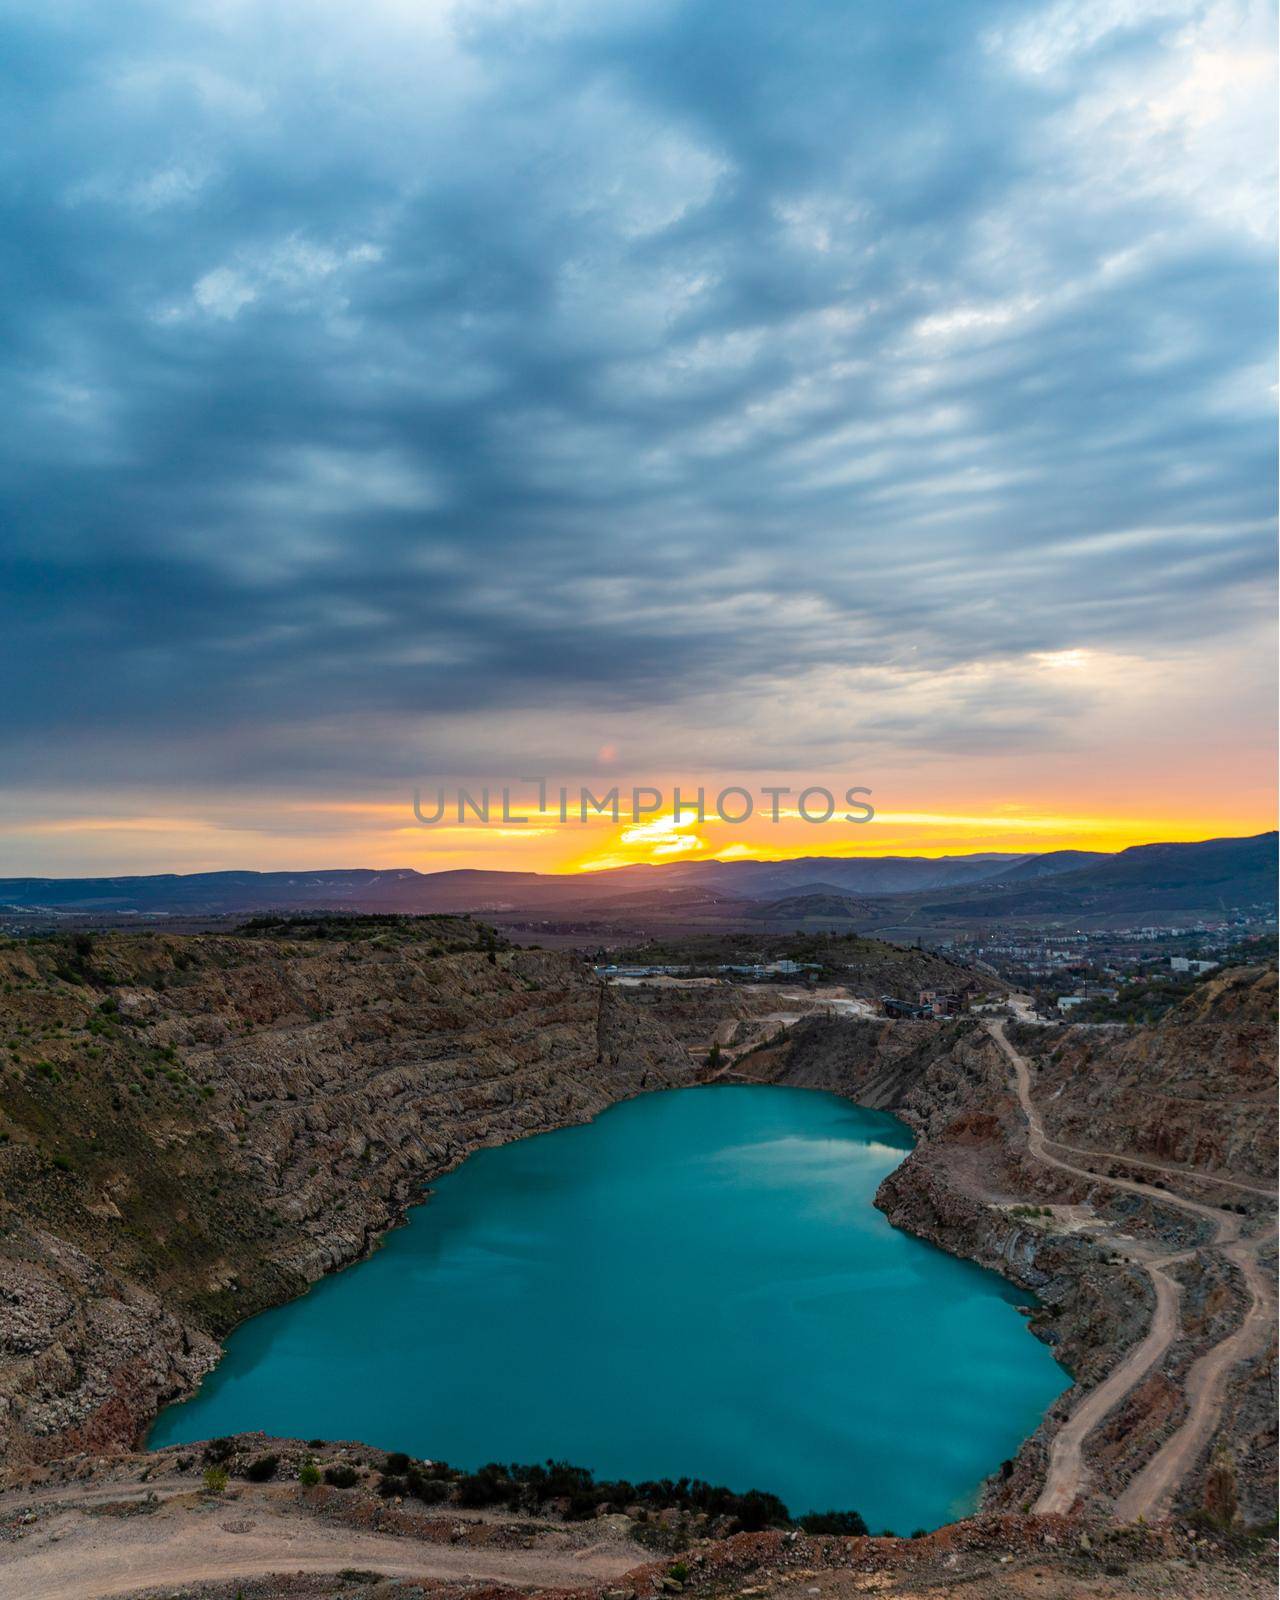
[(695, 1283)]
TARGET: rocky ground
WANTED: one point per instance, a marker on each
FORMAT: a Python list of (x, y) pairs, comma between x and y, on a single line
[(192, 1128), (141, 1526)]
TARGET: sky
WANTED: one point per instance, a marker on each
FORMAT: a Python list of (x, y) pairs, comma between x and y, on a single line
[(638, 391)]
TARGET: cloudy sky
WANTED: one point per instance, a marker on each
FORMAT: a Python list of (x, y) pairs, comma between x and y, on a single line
[(675, 389)]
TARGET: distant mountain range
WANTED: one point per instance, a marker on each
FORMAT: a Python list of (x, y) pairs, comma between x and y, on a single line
[(1209, 876), (1216, 874), (860, 875)]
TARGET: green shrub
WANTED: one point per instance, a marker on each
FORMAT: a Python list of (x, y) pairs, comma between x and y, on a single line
[(847, 1523), (529, 1488), (485, 1488), (756, 1510), (215, 1479), (431, 1491), (308, 1475)]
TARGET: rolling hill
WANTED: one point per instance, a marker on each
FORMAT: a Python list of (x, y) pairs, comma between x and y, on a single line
[(1206, 876), (1211, 875)]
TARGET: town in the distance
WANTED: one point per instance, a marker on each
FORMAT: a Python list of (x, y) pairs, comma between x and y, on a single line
[(1101, 938)]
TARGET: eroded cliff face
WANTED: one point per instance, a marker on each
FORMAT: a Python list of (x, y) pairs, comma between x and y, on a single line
[(1196, 1090), (194, 1128)]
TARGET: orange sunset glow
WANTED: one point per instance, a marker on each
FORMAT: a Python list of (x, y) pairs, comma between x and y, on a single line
[(298, 834)]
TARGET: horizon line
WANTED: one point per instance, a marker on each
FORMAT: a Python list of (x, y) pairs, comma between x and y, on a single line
[(593, 872)]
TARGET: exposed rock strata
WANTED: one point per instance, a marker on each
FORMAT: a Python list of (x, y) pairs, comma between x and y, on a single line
[(1197, 1090), (249, 1115)]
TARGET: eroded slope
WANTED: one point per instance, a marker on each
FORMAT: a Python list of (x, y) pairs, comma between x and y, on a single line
[(194, 1128), (1152, 1118)]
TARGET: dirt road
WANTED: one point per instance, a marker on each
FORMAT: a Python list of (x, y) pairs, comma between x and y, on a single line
[(191, 1539), (1153, 1487), (1151, 1490), (1189, 1174), (1067, 1473)]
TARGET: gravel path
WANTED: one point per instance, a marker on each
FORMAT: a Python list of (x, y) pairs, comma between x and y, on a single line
[(1151, 1490), (191, 1539)]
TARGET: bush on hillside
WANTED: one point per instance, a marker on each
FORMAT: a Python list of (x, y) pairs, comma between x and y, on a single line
[(847, 1523), (431, 1491)]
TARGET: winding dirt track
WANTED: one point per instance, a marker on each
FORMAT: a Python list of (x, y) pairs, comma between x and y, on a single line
[(1153, 1487), (1149, 1492), (80, 1558), (1190, 1174)]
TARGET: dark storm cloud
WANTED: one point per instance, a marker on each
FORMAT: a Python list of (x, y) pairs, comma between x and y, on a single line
[(367, 368)]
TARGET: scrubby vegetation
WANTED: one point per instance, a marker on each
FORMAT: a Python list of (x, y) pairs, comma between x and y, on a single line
[(839, 1522), (530, 1488), (448, 934), (666, 1507)]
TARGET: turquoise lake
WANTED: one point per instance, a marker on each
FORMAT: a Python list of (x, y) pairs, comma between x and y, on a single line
[(697, 1283)]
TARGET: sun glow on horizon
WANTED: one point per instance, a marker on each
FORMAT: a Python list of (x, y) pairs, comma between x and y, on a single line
[(270, 834), (892, 833)]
